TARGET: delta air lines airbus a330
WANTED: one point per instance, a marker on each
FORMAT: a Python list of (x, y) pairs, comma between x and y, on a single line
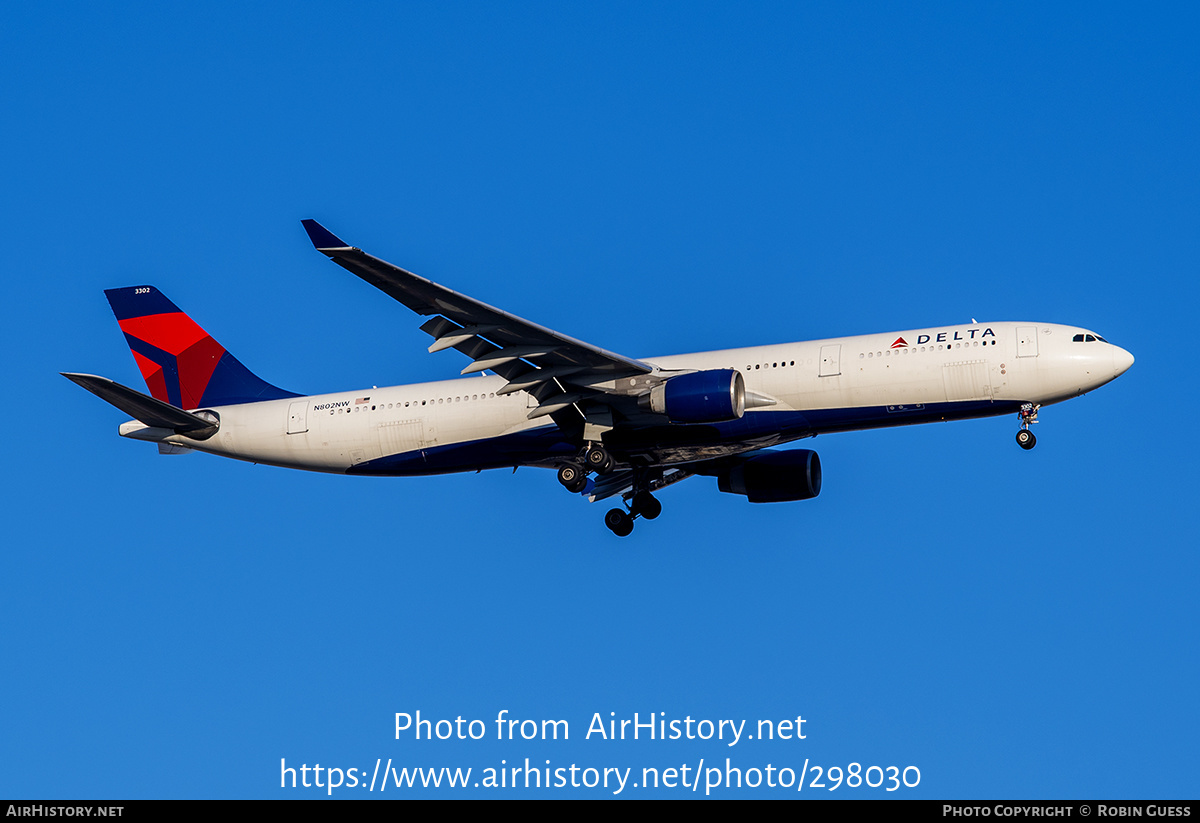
[(609, 424)]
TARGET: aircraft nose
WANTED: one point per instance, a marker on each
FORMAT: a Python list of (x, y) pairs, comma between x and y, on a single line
[(1122, 360)]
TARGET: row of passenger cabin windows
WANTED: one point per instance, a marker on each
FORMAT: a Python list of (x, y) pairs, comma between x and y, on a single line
[(1087, 338), (888, 353), (434, 402), (780, 365)]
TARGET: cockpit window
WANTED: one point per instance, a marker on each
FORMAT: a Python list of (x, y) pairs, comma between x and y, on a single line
[(1087, 338)]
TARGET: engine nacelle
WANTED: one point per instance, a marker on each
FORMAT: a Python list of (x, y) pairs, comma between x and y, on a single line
[(774, 477), (701, 397)]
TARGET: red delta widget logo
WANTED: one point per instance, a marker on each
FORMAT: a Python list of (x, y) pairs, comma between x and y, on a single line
[(942, 337)]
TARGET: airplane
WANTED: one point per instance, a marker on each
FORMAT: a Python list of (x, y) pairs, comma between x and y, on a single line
[(610, 425)]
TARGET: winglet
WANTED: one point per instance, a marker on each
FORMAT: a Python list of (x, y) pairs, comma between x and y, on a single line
[(322, 237)]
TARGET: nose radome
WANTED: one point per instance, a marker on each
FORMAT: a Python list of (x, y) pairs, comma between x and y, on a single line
[(1122, 360)]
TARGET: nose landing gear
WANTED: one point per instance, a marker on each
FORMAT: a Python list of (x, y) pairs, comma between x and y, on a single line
[(1027, 415)]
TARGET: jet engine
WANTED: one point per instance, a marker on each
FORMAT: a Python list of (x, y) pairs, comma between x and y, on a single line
[(700, 397), (774, 477)]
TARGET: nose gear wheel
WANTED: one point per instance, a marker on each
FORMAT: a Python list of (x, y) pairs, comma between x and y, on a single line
[(1027, 415)]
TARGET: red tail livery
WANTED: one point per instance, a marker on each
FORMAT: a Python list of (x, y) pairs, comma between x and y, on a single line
[(181, 362)]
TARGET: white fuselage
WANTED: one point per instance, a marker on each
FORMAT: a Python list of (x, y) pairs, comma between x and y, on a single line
[(845, 383)]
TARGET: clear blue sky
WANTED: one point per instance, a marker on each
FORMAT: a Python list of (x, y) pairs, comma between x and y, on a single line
[(653, 179)]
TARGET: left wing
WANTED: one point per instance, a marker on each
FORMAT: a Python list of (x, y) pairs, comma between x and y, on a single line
[(562, 373)]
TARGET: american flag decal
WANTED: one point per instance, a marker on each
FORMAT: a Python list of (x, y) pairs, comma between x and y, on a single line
[(358, 401)]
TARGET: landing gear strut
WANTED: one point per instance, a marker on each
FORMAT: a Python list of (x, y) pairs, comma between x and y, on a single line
[(1028, 414)]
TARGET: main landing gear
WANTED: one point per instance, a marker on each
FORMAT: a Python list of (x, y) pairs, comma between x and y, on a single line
[(618, 522), (641, 504), (597, 459), (1027, 414), (573, 475)]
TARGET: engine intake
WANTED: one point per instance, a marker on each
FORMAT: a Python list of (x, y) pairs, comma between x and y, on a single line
[(701, 397), (774, 477)]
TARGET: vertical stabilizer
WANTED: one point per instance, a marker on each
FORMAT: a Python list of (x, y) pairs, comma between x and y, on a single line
[(181, 362)]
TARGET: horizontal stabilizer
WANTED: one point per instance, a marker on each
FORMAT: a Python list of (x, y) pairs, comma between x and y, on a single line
[(140, 406)]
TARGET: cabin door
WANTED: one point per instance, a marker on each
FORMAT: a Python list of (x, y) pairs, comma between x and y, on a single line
[(831, 361), (298, 417), (1027, 341)]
